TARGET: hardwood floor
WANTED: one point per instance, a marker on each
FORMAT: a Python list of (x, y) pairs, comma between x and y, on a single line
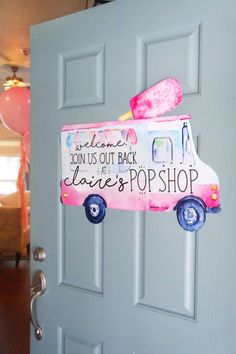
[(14, 307)]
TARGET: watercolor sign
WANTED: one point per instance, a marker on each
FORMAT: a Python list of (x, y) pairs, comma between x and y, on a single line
[(142, 164)]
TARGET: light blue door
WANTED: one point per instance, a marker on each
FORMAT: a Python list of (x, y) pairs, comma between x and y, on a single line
[(137, 283)]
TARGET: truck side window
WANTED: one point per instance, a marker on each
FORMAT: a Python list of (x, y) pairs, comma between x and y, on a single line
[(162, 150)]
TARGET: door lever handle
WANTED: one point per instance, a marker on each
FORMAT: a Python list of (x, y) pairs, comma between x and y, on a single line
[(37, 289)]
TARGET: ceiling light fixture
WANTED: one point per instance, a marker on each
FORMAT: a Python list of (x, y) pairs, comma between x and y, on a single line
[(12, 81), (25, 51)]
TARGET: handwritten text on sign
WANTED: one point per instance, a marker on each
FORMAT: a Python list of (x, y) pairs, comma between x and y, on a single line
[(135, 177)]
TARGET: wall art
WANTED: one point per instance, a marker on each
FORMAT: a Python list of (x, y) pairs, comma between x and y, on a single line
[(147, 163)]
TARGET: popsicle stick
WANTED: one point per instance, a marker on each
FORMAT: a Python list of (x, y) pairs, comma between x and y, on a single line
[(125, 116)]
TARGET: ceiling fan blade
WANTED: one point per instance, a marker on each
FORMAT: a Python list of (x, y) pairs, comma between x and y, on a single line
[(19, 84)]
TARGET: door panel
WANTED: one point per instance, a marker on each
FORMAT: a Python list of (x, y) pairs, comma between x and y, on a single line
[(137, 283), (177, 52), (81, 253), (81, 79), (165, 266)]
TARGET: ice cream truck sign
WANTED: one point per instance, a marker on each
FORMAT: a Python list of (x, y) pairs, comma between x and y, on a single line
[(148, 163)]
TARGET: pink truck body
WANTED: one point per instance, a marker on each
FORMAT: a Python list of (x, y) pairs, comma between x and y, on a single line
[(148, 164)]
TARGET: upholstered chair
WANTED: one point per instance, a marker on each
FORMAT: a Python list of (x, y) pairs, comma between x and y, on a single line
[(14, 238)]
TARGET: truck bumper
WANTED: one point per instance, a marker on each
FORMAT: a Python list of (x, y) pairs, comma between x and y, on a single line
[(214, 210)]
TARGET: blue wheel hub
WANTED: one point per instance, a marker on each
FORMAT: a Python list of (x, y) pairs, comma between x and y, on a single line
[(190, 215), (94, 210)]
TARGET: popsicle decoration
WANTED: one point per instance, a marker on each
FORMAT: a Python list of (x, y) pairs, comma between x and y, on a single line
[(148, 163), (155, 101)]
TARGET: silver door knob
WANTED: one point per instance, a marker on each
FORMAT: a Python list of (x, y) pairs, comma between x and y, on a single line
[(37, 289), (39, 254)]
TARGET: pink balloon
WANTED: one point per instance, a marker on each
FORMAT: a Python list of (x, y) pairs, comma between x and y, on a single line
[(15, 109), (26, 143)]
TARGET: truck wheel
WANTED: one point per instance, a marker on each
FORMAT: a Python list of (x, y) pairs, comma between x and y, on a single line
[(191, 215), (95, 208)]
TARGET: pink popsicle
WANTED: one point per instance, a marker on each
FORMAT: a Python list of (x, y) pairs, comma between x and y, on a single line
[(157, 99)]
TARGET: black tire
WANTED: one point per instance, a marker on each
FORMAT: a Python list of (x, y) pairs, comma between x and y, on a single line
[(191, 215), (95, 208)]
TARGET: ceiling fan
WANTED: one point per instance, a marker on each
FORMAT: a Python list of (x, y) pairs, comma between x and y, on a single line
[(12, 81)]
